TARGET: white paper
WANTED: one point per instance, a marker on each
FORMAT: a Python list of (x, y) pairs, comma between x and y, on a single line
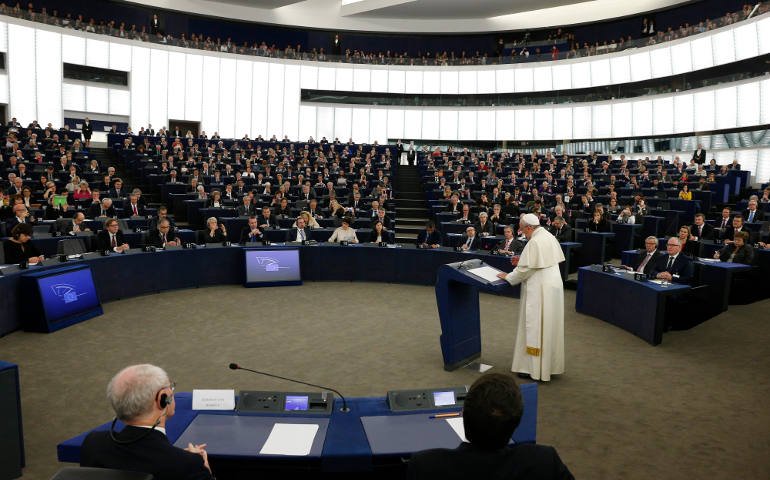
[(294, 439), (213, 400), (457, 425), (486, 272)]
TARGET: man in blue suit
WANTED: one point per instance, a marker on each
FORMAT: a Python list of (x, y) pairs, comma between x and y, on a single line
[(430, 236), (674, 267)]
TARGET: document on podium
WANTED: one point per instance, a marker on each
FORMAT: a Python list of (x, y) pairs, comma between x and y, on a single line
[(290, 439), (486, 272)]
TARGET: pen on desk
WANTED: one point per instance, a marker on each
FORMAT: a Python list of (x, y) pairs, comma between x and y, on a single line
[(445, 415)]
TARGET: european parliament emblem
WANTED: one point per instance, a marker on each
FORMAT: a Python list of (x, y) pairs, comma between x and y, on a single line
[(66, 292), (270, 264)]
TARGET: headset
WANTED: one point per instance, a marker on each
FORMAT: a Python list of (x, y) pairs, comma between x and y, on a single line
[(163, 400)]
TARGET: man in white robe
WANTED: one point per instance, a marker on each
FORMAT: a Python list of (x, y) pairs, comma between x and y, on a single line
[(539, 349)]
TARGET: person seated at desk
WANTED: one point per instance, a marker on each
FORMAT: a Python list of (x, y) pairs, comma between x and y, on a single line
[(18, 248), (454, 205), (283, 210), (267, 220), (753, 214), (20, 216), (101, 209), (560, 230), (215, 232), (215, 201), (675, 267), (598, 223), (379, 233), (72, 226), (493, 409), (162, 214), (466, 216), (344, 233), (647, 258), (300, 232), (614, 208), (509, 245), (701, 230), (246, 208), (142, 397), (470, 240), (685, 193), (688, 247), (111, 238), (251, 232), (497, 216), (163, 235), (336, 212), (310, 222), (626, 216), (430, 237), (739, 251), (737, 226), (484, 227), (134, 208)]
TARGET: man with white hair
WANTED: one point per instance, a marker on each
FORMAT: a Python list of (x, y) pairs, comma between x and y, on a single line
[(142, 397), (539, 349)]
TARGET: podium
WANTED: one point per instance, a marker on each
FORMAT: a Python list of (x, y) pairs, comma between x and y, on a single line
[(457, 296)]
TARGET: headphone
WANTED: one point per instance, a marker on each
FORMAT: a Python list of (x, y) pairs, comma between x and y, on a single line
[(164, 401)]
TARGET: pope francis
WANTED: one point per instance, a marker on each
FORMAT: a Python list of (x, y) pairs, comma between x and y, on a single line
[(539, 349)]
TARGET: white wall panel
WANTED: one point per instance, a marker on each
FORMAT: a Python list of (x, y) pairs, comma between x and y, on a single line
[(210, 106), (622, 119), (21, 74), (378, 126), (177, 74), (601, 116), (504, 81), (344, 81), (325, 123), (309, 77), (73, 49), (97, 99), (704, 111), (120, 56), (764, 106), (227, 73), (158, 85), (684, 109), (361, 79), (291, 101), (448, 122), (97, 53), (542, 124), (360, 127), (73, 97), (275, 100), (562, 123), (449, 82), (414, 81), (486, 81), (430, 124), (395, 124), (600, 72), (467, 82), (641, 68), (343, 123), (581, 75), (723, 46), (581, 122), (746, 42), (702, 55), (542, 79), (243, 87), (642, 118), (326, 78), (193, 90), (412, 123), (562, 77), (431, 81), (139, 81), (307, 119), (681, 58), (259, 93), (49, 77), (379, 80), (3, 37), (748, 104), (466, 124), (396, 81), (620, 68), (660, 59), (727, 99), (662, 116), (763, 32), (485, 124), (505, 125), (120, 102), (523, 80)]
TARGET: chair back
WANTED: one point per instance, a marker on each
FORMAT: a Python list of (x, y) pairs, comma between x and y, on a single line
[(71, 246), (89, 473)]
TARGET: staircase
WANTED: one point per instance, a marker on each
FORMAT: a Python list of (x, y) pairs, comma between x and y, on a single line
[(107, 158), (411, 206)]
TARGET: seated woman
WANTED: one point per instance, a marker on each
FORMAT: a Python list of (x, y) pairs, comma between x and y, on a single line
[(309, 220), (598, 223), (613, 208), (626, 216), (739, 251), (379, 234), (344, 233), (283, 210), (336, 212), (83, 192), (691, 248), (685, 193), (216, 233), (18, 248), (216, 200)]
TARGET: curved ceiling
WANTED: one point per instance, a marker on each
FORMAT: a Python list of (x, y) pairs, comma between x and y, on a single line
[(416, 16)]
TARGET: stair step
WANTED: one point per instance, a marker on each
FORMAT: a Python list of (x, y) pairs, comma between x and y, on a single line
[(408, 237)]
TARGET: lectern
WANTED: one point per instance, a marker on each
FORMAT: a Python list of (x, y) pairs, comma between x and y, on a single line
[(457, 296)]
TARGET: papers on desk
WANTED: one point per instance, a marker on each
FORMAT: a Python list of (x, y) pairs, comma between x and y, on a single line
[(486, 272), (457, 425), (213, 400), (290, 439)]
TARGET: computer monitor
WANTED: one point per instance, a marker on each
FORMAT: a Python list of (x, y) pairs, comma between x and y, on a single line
[(272, 267)]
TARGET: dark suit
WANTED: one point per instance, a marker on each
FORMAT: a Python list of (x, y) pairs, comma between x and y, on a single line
[(291, 235), (758, 216), (475, 243), (602, 226), (128, 210), (520, 462), (729, 234), (154, 238), (269, 221), (151, 453), (244, 211), (516, 246), (488, 228), (95, 210), (431, 239), (411, 156), (103, 240), (707, 232), (386, 222), (650, 265), (682, 268), (744, 255), (246, 235), (563, 234), (699, 158), (87, 130)]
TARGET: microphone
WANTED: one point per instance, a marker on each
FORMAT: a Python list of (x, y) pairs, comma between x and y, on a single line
[(235, 366)]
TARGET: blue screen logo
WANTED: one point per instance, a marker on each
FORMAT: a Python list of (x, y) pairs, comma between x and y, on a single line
[(67, 293)]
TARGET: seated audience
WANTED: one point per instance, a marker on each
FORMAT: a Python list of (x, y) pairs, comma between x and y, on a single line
[(300, 232), (251, 232), (598, 223), (215, 232), (111, 238), (379, 233), (688, 247), (560, 230), (673, 267), (163, 235), (739, 251), (310, 222), (646, 258), (430, 237), (101, 209), (701, 231), (72, 226), (510, 245), (470, 241), (18, 248), (344, 233), (626, 216), (484, 227)]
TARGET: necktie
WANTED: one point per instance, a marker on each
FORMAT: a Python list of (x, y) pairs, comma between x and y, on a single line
[(507, 245), (641, 266), (670, 263), (113, 242), (302, 235), (700, 231), (163, 237), (135, 212), (751, 216), (468, 243)]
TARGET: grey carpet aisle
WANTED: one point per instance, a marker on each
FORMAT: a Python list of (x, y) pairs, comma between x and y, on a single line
[(694, 407)]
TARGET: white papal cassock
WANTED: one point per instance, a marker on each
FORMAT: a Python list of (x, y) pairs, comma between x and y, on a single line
[(539, 349)]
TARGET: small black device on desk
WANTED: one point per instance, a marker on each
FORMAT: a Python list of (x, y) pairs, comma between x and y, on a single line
[(427, 399), (302, 403)]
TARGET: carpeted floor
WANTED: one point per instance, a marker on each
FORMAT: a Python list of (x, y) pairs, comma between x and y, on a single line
[(694, 407)]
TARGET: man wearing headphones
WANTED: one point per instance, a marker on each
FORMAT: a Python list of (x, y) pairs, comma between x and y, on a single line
[(142, 397)]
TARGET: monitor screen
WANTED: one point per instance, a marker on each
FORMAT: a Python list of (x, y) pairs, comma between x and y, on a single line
[(67, 294), (296, 402), (272, 266), (442, 399)]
